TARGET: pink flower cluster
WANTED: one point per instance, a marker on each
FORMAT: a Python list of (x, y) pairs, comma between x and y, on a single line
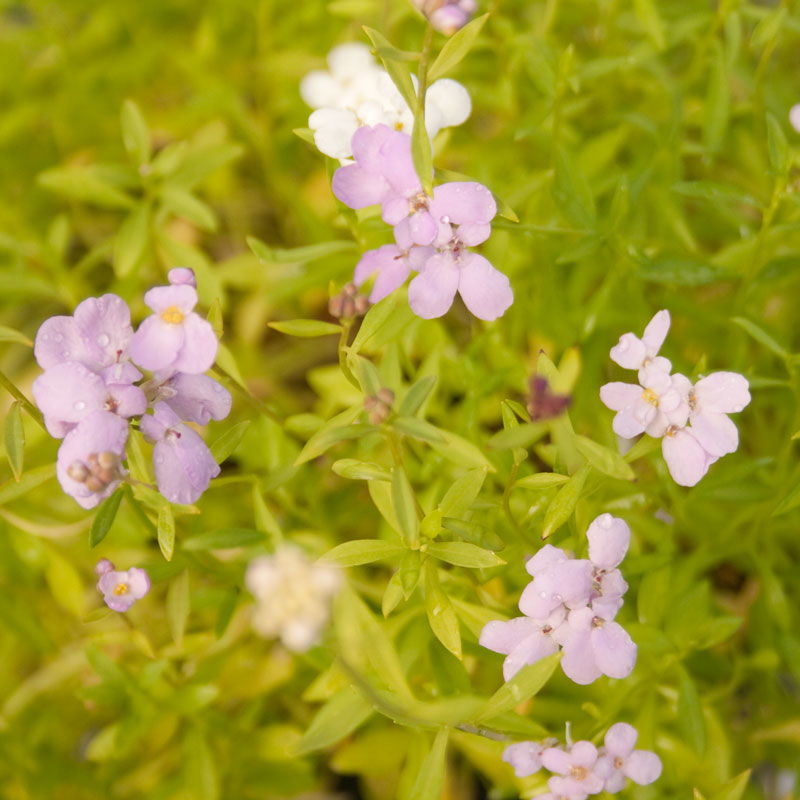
[(91, 389), (121, 589), (692, 419), (433, 234), (571, 603), (582, 769)]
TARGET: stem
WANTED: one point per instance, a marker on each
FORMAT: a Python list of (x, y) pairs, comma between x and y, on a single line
[(420, 133), (488, 733), (11, 388)]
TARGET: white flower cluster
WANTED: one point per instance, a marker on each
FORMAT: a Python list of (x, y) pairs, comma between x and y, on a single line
[(355, 91)]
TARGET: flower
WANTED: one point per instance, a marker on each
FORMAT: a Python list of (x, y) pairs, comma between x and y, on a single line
[(686, 459), (710, 401), (618, 760), (447, 16), (180, 276), (121, 590), (89, 465), (174, 338), (96, 335), (526, 757), (634, 353), (575, 770), (69, 391), (522, 640), (567, 583), (355, 92), (193, 398), (391, 265), (183, 463), (595, 645), (794, 117), (292, 595)]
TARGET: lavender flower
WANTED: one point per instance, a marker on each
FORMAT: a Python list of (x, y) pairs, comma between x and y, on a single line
[(575, 770), (121, 590), (174, 338), (184, 465), (618, 760)]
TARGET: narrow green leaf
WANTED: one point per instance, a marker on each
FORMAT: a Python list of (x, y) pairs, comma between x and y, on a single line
[(405, 508), (542, 480), (326, 437), (690, 714), (524, 685), (604, 459), (382, 322), (229, 441), (306, 328), (10, 335), (462, 452), (523, 435), (223, 539), (104, 518), (199, 765), (571, 191), (563, 504), (651, 21), (397, 68), (360, 470), (84, 183), (182, 203), (441, 616), (463, 554), (135, 135), (431, 775), (734, 788), (718, 101), (178, 606), (417, 395), (761, 336), (462, 493), (131, 241), (335, 720), (780, 156), (362, 551), (13, 489), (419, 429), (166, 531), (456, 48), (14, 437), (264, 519)]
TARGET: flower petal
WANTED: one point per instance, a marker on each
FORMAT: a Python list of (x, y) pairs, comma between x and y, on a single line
[(199, 346), (198, 398), (156, 343), (333, 131), (724, 392), (68, 392), (629, 352), (578, 661), (686, 459), (620, 739), (528, 651), (485, 290), (716, 433), (451, 99), (614, 650), (463, 203), (57, 341), (643, 767), (431, 293), (655, 332), (184, 466), (617, 395), (503, 637), (609, 538), (357, 188)]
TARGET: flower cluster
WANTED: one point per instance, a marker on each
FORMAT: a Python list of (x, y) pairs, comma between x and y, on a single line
[(571, 603), (433, 234), (692, 419), (355, 91), (447, 16), (583, 769), (121, 589), (293, 597), (92, 388)]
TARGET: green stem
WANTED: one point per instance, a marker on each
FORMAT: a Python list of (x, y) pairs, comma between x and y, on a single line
[(11, 388)]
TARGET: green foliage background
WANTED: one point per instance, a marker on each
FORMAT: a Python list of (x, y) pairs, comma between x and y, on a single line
[(645, 148)]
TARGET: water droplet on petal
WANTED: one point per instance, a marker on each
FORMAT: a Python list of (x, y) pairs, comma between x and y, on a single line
[(103, 340), (79, 406)]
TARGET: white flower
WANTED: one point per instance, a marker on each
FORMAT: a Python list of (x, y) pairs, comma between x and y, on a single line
[(293, 597), (356, 92)]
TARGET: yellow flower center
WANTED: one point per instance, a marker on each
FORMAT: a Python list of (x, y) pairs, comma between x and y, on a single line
[(172, 315), (649, 396), (121, 588)]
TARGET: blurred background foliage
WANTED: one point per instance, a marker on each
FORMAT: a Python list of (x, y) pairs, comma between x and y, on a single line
[(646, 151)]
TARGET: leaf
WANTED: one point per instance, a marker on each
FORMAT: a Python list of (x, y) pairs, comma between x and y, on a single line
[(135, 135), (519, 436), (422, 152), (405, 508), (65, 583), (456, 48), (761, 336), (166, 531), (131, 241), (604, 460), (463, 554), (398, 71), (571, 191), (182, 203), (462, 452), (382, 322), (335, 720), (224, 539), (780, 156), (430, 778), (33, 478), (418, 429), (441, 616), (563, 504), (14, 437), (417, 395), (178, 606), (790, 501), (524, 685), (690, 715), (734, 788), (718, 102), (264, 519), (85, 184), (229, 441), (306, 328), (10, 335), (362, 551), (199, 765), (104, 518), (651, 21), (327, 436), (360, 470), (462, 493), (679, 271), (542, 480)]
